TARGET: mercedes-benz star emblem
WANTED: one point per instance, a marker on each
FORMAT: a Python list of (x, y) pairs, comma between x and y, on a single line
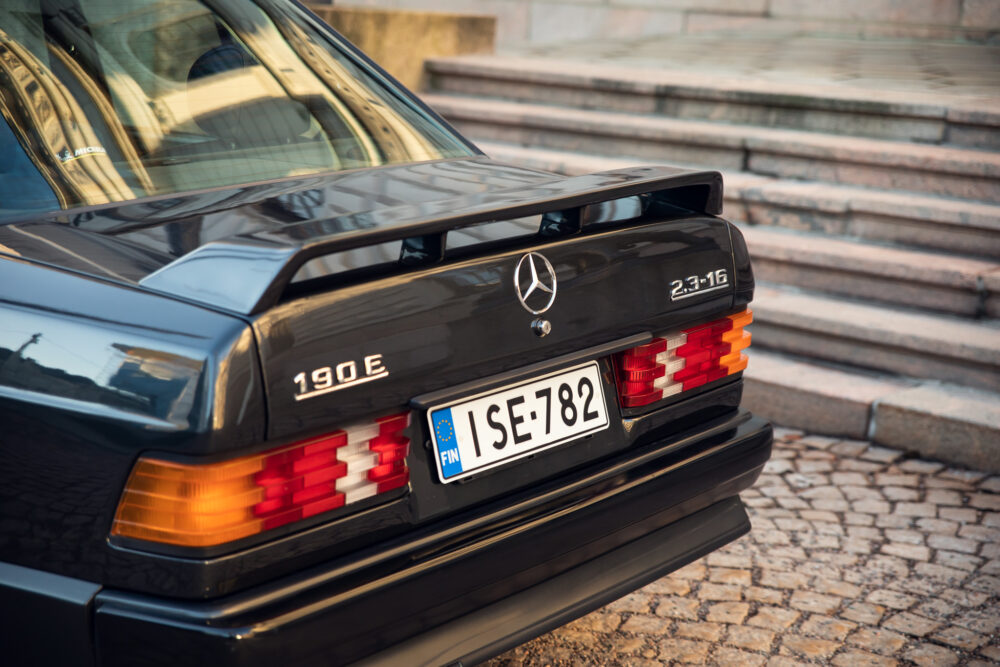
[(541, 280)]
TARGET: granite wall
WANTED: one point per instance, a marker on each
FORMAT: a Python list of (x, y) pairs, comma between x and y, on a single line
[(540, 21)]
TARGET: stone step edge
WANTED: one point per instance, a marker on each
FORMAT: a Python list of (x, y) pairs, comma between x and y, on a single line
[(871, 272), (803, 195), (690, 85), (927, 158), (906, 330), (937, 420), (853, 256), (889, 339)]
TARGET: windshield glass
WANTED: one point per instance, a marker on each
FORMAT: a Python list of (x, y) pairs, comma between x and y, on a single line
[(110, 100)]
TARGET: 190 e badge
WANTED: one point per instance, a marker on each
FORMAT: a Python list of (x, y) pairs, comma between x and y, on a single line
[(334, 378), (695, 285)]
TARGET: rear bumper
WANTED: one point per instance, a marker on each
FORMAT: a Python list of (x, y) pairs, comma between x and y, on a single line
[(649, 515), (468, 598), (536, 610)]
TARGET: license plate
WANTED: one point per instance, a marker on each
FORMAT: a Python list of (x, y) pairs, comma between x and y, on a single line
[(506, 424)]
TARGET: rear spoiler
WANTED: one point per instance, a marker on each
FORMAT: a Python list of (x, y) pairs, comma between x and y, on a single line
[(248, 274)]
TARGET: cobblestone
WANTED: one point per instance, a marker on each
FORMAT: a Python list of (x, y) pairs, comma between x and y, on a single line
[(904, 571), (728, 612), (809, 647), (892, 599), (878, 640), (745, 636), (862, 659), (809, 601), (773, 618), (864, 613)]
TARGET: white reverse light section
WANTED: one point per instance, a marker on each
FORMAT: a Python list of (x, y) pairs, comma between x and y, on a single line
[(359, 459), (671, 363)]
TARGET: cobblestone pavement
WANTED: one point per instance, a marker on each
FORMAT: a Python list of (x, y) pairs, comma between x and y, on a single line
[(858, 556)]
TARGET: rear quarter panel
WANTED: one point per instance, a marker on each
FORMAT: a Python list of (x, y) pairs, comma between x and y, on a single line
[(91, 374)]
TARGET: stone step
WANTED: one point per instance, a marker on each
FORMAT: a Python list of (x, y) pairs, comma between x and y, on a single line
[(907, 219), (796, 392), (955, 424), (937, 420), (873, 273), (727, 98), (919, 221), (891, 340), (938, 170)]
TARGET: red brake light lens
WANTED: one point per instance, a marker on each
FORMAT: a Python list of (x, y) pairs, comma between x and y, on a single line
[(681, 361), (208, 504)]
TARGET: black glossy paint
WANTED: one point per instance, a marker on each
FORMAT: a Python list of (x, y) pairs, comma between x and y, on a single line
[(175, 325), (742, 270), (447, 325), (321, 617), (83, 386), (45, 619), (92, 374), (242, 260), (129, 241), (489, 631), (402, 526), (262, 264), (125, 330), (115, 371)]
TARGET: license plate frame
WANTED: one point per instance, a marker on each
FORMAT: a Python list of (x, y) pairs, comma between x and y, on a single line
[(458, 443)]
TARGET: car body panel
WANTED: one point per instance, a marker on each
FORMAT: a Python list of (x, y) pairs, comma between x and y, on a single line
[(319, 617), (233, 412), (92, 374), (174, 327), (142, 236), (427, 326)]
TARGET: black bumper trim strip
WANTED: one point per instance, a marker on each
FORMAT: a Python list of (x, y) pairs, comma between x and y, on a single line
[(537, 610)]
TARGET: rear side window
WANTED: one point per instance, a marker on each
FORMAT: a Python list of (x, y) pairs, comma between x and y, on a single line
[(110, 100)]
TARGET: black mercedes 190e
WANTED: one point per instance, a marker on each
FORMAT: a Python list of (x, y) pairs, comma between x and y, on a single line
[(291, 373)]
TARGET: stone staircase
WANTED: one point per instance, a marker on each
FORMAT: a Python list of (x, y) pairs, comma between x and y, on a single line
[(873, 218)]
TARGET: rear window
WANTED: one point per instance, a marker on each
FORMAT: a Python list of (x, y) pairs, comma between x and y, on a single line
[(110, 100)]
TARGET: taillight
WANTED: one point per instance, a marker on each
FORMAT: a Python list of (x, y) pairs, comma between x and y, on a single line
[(681, 361), (201, 505)]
